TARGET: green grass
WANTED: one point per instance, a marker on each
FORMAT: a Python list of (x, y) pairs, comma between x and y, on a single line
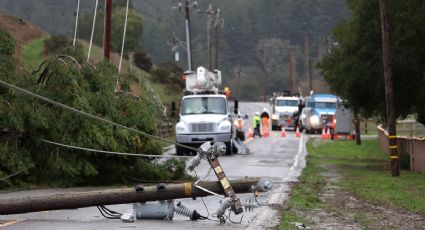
[(167, 96), (367, 175), (289, 221), (32, 54), (304, 195)]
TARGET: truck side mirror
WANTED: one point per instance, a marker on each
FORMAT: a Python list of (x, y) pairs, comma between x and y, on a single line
[(236, 107)]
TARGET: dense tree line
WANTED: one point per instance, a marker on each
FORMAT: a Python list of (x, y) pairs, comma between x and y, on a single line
[(355, 69)]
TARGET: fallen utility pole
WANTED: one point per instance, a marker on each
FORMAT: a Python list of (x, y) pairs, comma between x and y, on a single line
[(123, 196)]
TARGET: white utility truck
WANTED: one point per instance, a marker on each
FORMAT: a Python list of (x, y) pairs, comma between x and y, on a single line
[(204, 113), (285, 109)]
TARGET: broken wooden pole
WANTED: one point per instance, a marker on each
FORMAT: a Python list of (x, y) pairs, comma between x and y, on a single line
[(123, 196)]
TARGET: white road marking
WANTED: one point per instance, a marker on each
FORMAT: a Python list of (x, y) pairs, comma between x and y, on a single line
[(10, 223), (300, 149)]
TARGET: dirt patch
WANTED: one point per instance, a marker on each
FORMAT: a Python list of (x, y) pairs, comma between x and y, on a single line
[(342, 210), (22, 31)]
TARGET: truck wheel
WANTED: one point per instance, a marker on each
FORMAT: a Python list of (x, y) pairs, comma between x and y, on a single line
[(179, 151), (229, 148)]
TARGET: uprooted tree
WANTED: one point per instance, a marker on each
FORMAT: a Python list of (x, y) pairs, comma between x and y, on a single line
[(25, 122)]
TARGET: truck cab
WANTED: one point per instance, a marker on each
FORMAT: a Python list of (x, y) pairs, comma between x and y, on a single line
[(285, 109), (320, 112), (204, 113)]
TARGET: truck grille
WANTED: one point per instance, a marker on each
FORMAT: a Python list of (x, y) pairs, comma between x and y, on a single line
[(283, 116), (327, 117), (202, 127)]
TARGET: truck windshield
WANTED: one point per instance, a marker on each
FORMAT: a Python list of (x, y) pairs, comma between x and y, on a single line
[(286, 103), (204, 105), (325, 105)]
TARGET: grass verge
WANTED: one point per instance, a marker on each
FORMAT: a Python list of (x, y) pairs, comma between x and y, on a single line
[(304, 195), (365, 174), (32, 53)]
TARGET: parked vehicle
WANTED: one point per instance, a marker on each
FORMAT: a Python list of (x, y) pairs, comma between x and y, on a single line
[(320, 113), (204, 113), (285, 112)]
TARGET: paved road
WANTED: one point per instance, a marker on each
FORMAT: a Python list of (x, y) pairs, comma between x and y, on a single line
[(280, 159)]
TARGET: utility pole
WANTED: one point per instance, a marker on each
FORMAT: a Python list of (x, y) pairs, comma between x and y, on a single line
[(210, 13), (125, 196), (107, 30), (310, 75), (188, 36), (173, 49), (307, 61), (266, 77), (238, 80), (392, 133), (290, 71), (217, 38)]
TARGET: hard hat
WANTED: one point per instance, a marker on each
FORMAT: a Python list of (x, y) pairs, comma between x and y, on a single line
[(257, 113)]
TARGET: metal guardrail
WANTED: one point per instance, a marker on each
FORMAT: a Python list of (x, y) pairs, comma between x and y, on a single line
[(412, 146)]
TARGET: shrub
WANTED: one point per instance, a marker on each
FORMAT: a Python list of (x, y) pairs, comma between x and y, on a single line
[(55, 43), (142, 60)]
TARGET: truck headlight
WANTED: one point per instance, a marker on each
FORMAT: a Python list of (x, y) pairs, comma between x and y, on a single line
[(181, 127), (224, 126), (275, 117), (315, 121)]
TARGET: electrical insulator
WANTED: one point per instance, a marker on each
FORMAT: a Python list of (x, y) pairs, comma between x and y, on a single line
[(250, 204), (195, 161), (225, 204), (204, 149), (183, 210)]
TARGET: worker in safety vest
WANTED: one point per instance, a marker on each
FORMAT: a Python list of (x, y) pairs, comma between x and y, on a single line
[(265, 120), (256, 120), (239, 124)]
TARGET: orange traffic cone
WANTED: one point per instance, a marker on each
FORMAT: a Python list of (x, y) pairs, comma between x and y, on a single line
[(336, 137), (283, 133), (328, 134), (350, 137), (323, 133), (297, 132), (250, 133)]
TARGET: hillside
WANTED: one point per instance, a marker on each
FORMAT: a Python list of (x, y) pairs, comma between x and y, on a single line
[(249, 26), (22, 31)]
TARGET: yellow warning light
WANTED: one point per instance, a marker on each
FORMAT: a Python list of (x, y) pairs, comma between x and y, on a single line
[(227, 91)]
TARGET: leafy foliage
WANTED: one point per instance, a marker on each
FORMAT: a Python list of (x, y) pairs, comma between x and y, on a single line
[(25, 122), (355, 69)]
